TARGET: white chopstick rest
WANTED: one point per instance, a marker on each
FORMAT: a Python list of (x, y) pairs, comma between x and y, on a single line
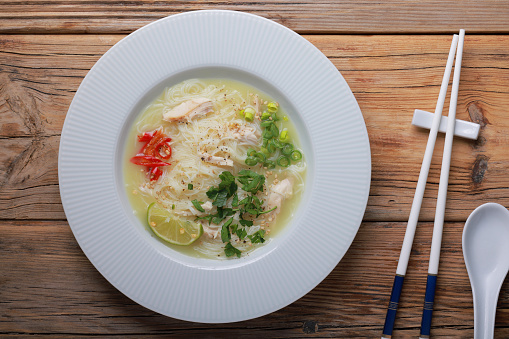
[(462, 128)]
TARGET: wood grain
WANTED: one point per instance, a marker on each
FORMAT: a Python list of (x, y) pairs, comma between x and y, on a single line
[(317, 17), (389, 75), (48, 287)]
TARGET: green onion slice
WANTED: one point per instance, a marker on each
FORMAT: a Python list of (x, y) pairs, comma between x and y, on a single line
[(269, 164), (267, 133), (284, 137), (274, 130), (287, 149), (296, 155), (249, 110), (251, 152), (272, 107), (271, 147), (249, 116), (259, 156), (251, 161), (265, 115), (277, 143), (283, 161)]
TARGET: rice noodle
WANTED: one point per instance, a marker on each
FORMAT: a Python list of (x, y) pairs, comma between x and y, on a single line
[(215, 134)]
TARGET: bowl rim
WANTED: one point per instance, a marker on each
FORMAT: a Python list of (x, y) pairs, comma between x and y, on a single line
[(85, 123)]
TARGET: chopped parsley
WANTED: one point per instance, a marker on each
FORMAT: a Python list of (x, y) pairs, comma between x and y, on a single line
[(190, 187), (246, 222), (251, 181), (248, 209), (197, 205), (241, 233), (226, 189), (229, 250), (225, 230), (257, 237)]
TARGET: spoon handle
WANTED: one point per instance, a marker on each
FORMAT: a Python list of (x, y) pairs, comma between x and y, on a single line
[(485, 308)]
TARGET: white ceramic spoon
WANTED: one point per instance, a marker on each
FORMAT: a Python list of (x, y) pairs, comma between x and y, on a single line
[(486, 253)]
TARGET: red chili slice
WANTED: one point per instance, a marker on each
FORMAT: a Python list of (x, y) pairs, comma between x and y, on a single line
[(155, 173), (148, 148), (147, 136), (163, 148), (153, 145), (156, 147), (148, 160)]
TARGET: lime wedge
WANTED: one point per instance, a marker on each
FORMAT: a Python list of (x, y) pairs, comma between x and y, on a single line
[(171, 228)]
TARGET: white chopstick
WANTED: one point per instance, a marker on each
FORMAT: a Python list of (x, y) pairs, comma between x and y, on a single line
[(438, 226), (423, 175), (419, 192)]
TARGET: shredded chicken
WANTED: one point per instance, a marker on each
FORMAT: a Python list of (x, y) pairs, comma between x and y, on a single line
[(211, 232), (278, 193), (247, 135), (189, 109), (207, 206), (216, 160)]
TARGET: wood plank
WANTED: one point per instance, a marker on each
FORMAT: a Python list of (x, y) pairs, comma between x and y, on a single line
[(349, 303), (405, 74), (29, 184), (318, 17), (389, 75)]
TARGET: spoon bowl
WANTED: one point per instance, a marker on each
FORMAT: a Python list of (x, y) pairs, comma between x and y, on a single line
[(486, 253)]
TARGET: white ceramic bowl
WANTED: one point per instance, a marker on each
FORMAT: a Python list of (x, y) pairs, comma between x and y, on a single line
[(265, 55)]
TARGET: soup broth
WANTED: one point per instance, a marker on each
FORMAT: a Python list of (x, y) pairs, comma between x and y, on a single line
[(216, 126)]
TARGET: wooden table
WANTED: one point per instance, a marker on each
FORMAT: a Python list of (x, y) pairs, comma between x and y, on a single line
[(392, 54)]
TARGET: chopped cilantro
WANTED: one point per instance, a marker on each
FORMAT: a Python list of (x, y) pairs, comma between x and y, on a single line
[(190, 187), (197, 205), (224, 212), (256, 202), (257, 237), (246, 222), (252, 182), (224, 195), (207, 217), (252, 211), (221, 198), (241, 233), (226, 189), (229, 250), (234, 227), (245, 200), (235, 201), (228, 183), (221, 214), (225, 230), (267, 211), (212, 193), (216, 220)]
